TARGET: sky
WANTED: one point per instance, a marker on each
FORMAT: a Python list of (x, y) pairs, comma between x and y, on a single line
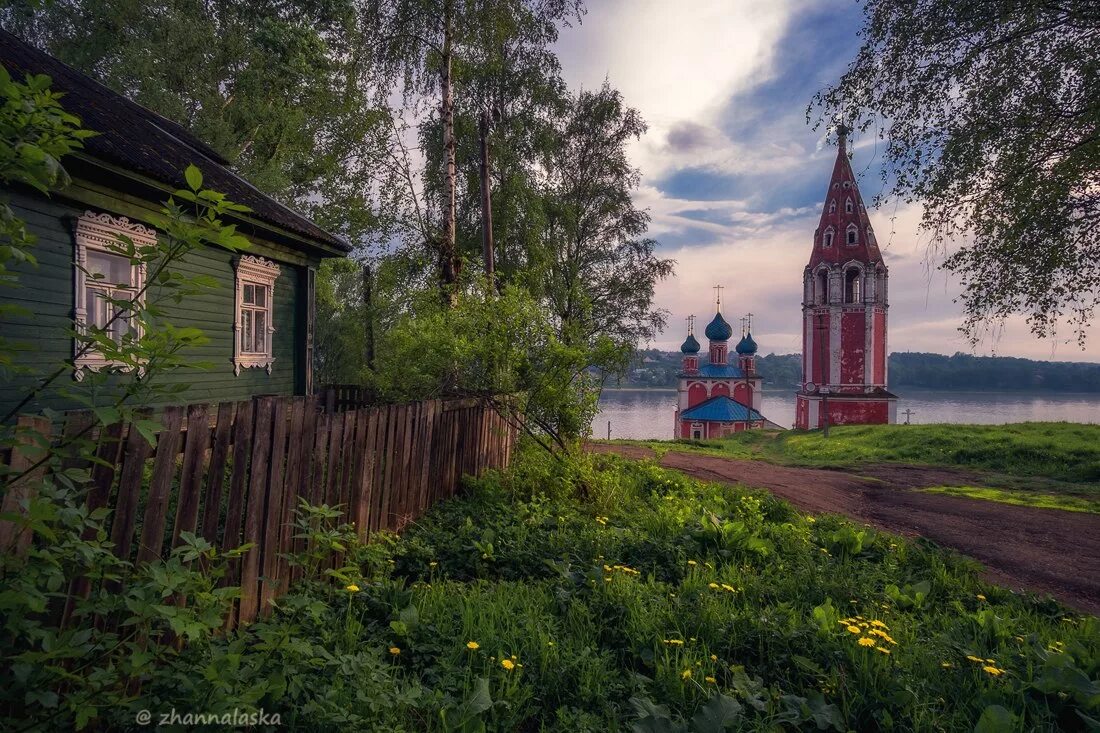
[(734, 178)]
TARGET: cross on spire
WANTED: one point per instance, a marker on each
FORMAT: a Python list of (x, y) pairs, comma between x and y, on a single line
[(691, 324), (842, 132), (718, 289), (743, 319), (748, 319)]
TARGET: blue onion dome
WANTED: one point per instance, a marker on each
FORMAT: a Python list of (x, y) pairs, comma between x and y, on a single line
[(690, 345), (746, 345), (718, 329)]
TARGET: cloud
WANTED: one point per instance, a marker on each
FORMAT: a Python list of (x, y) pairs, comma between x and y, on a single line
[(691, 137), (734, 177)]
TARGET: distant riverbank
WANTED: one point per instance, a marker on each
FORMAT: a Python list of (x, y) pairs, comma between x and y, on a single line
[(647, 413)]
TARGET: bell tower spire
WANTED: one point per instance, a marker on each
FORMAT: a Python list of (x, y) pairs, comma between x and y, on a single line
[(844, 307)]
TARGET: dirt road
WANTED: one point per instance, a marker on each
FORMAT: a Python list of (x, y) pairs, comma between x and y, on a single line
[(1041, 550)]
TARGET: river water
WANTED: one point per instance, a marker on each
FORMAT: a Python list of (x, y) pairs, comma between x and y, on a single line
[(647, 414)]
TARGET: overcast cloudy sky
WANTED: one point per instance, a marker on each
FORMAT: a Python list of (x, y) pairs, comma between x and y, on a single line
[(734, 178)]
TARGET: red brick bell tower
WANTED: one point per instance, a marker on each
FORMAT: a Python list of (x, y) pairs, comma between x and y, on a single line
[(844, 306)]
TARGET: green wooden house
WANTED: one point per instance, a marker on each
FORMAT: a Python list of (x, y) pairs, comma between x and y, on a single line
[(259, 321)]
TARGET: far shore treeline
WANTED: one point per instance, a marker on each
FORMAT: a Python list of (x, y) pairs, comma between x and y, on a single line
[(960, 372)]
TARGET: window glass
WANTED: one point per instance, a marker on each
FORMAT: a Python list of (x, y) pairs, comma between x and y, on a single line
[(260, 343), (109, 269)]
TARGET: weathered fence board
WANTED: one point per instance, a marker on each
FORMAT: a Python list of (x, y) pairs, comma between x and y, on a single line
[(234, 472)]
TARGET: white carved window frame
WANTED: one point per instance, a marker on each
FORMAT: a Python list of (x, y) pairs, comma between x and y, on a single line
[(254, 271), (100, 233)]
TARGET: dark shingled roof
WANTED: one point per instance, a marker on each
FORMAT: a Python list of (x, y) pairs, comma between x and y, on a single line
[(137, 139)]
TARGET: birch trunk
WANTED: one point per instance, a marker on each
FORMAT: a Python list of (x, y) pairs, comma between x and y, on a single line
[(449, 261)]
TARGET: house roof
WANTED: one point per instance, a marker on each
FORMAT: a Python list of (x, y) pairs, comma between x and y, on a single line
[(721, 409), (137, 139)]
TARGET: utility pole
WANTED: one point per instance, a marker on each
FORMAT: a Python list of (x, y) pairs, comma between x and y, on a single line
[(486, 198)]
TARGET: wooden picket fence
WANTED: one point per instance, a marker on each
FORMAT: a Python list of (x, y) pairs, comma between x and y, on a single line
[(233, 473)]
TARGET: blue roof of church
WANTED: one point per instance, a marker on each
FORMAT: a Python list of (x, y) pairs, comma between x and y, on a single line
[(718, 329), (718, 371), (721, 409), (746, 345), (690, 345)]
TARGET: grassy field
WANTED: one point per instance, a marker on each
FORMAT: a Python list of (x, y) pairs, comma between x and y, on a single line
[(1066, 502), (611, 595), (1038, 464)]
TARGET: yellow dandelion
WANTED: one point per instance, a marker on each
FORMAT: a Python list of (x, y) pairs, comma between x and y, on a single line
[(980, 597), (353, 588), (866, 641), (728, 588), (508, 664), (878, 624), (549, 643), (686, 674), (395, 650), (972, 658), (881, 649), (432, 564), (692, 562), (712, 586), (472, 645), (714, 657), (710, 679), (853, 629), (990, 669), (946, 665), (811, 520)]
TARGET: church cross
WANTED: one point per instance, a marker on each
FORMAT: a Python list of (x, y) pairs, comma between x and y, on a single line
[(691, 324), (749, 319), (718, 289)]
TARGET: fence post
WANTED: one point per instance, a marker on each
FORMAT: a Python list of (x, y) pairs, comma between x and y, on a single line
[(33, 438)]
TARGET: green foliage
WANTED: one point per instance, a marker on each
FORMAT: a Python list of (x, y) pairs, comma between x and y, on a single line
[(579, 595), (491, 343), (284, 91), (340, 336), (989, 115)]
